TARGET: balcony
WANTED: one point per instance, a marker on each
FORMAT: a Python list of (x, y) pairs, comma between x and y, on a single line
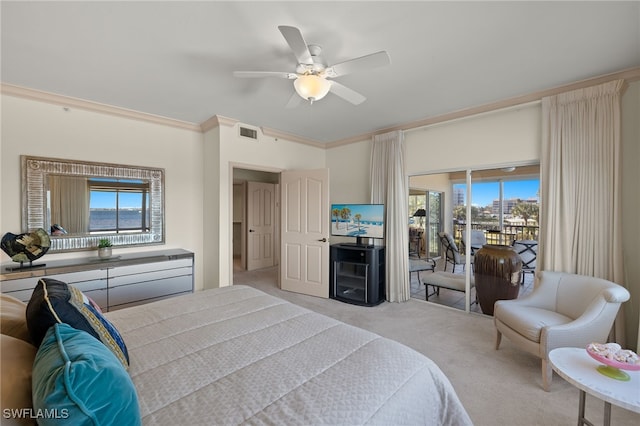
[(494, 235)]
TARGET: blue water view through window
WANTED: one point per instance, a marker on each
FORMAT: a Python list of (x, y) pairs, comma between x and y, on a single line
[(118, 209)]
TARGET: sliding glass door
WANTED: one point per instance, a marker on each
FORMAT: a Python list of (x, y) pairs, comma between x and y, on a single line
[(502, 204)]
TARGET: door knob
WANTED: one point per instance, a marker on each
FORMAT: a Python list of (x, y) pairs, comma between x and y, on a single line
[(251, 230), (324, 240)]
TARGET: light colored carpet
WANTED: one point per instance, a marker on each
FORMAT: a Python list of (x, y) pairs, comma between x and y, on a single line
[(496, 387)]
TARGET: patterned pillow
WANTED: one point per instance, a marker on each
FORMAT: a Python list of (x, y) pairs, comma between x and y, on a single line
[(78, 381), (54, 302)]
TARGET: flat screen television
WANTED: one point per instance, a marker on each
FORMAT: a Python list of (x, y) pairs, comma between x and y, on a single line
[(357, 220)]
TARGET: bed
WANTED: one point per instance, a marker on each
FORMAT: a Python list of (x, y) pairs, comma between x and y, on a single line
[(236, 355)]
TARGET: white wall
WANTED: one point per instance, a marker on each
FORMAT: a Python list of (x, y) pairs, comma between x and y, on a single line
[(349, 173), (47, 130), (483, 141), (232, 150)]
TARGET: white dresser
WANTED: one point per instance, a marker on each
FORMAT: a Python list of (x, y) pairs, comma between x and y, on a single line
[(121, 281)]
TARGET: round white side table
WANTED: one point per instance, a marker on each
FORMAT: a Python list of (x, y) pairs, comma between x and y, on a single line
[(578, 368)]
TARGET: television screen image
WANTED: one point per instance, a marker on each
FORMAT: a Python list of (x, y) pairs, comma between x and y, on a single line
[(357, 220)]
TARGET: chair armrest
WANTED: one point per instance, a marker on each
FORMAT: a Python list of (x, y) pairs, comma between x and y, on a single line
[(593, 326), (617, 294)]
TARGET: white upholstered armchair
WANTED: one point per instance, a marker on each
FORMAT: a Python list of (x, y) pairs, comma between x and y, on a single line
[(563, 310)]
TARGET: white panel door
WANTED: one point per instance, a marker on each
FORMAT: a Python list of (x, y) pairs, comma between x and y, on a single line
[(304, 260), (260, 224)]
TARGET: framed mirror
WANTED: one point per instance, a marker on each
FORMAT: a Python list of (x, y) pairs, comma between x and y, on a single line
[(80, 202)]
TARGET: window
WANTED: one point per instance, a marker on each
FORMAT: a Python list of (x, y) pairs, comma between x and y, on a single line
[(118, 206)]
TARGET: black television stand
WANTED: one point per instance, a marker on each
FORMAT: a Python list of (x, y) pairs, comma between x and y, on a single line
[(359, 243), (357, 274)]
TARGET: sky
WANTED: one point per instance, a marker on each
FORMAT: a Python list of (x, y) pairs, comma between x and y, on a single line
[(102, 200), (372, 212), (483, 194)]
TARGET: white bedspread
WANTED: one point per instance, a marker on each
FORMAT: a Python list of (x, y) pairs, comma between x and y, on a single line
[(236, 355)]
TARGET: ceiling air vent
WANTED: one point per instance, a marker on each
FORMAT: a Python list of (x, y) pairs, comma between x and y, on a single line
[(248, 133)]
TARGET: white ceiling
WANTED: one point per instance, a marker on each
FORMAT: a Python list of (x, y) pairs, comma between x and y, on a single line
[(175, 59)]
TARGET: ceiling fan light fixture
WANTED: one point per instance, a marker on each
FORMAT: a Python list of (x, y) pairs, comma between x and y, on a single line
[(312, 87)]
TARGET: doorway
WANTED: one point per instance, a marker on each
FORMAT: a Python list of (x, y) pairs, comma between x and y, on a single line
[(264, 244), (426, 208), (301, 227)]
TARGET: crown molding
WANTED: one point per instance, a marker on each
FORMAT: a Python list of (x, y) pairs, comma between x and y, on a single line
[(629, 75), (267, 131), (217, 121), (355, 139), (69, 102)]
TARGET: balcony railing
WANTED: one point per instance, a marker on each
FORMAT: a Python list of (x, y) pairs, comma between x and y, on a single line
[(494, 235)]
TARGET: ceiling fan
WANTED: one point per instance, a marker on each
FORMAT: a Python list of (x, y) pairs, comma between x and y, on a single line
[(312, 74)]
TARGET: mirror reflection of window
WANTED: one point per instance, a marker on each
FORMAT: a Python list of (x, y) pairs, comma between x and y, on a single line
[(119, 206)]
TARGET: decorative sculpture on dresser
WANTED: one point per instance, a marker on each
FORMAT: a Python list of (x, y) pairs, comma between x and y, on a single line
[(26, 247)]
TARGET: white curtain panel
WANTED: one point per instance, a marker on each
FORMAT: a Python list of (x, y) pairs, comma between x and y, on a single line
[(580, 184), (70, 203), (388, 186)]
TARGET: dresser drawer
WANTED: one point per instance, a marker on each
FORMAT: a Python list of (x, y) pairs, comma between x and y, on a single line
[(141, 291), (127, 280), (24, 295), (82, 276), (150, 267), (19, 285)]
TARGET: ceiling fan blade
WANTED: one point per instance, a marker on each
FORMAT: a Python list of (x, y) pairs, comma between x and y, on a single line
[(363, 63), (296, 42), (260, 74), (347, 94)]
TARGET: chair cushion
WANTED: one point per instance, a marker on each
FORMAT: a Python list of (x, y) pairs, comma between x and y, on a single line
[(527, 321), (446, 280)]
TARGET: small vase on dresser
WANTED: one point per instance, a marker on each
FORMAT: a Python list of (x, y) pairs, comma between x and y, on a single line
[(104, 252), (104, 248)]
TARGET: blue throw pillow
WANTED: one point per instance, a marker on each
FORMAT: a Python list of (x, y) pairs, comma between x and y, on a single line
[(78, 381), (53, 302)]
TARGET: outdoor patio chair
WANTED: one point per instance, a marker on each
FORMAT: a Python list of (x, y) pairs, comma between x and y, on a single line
[(528, 251), (477, 240), (452, 254)]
